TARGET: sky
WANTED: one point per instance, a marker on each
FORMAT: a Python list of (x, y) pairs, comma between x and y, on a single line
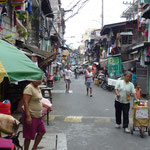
[(90, 17)]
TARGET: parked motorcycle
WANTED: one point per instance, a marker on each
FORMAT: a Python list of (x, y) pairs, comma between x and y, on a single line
[(100, 79), (50, 80), (105, 85)]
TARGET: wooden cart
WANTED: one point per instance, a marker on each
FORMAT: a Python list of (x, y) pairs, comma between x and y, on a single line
[(141, 118)]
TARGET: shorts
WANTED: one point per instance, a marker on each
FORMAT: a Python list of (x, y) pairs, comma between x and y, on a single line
[(89, 84), (68, 81), (37, 126)]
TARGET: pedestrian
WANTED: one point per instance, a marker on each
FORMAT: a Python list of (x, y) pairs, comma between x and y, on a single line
[(138, 91), (89, 80), (67, 78), (123, 90), (134, 78), (75, 73), (33, 125)]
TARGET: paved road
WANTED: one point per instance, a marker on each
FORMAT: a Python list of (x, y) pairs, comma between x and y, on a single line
[(88, 123), (79, 122)]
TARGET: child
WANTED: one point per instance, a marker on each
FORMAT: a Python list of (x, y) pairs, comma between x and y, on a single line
[(138, 91)]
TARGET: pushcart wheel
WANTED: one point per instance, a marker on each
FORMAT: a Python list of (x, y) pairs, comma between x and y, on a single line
[(142, 132), (149, 131), (131, 130)]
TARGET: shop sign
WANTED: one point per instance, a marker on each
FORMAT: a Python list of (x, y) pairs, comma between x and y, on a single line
[(114, 66)]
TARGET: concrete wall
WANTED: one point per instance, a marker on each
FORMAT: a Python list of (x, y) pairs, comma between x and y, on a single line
[(9, 27)]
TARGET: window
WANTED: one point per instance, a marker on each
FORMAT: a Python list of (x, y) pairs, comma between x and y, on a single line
[(126, 39)]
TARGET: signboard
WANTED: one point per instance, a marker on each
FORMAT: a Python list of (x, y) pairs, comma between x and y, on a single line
[(142, 113), (114, 67)]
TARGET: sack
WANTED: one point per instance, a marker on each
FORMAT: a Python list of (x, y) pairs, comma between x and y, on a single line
[(6, 144), (5, 108), (47, 102), (7, 123)]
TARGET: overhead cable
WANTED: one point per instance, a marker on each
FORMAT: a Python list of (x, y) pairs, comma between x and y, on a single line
[(82, 5)]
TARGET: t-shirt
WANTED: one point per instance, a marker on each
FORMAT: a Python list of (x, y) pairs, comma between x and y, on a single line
[(68, 74), (124, 89), (35, 103), (134, 77), (89, 79)]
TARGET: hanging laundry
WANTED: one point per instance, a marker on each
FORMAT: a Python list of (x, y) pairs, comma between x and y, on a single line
[(15, 18), (148, 53), (142, 62), (1, 20), (4, 11), (146, 33), (3, 1), (20, 8), (30, 7), (15, 3)]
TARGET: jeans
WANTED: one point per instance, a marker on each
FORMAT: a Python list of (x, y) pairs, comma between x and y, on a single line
[(119, 108)]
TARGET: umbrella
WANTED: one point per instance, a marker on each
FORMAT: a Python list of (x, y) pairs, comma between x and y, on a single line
[(16, 65)]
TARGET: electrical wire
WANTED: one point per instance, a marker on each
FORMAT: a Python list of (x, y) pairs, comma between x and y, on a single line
[(81, 6), (70, 4)]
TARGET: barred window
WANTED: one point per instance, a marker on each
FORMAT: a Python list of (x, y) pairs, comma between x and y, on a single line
[(126, 39)]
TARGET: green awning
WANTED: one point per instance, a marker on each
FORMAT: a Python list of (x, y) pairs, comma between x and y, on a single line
[(17, 65)]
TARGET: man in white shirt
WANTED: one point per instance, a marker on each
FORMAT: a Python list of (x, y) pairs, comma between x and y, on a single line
[(67, 78)]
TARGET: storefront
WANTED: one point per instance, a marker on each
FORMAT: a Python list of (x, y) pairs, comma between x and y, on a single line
[(16, 70)]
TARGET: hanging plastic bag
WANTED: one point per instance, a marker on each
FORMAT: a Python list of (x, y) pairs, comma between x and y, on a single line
[(5, 107)]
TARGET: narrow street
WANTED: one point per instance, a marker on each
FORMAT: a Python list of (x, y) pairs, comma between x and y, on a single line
[(85, 123)]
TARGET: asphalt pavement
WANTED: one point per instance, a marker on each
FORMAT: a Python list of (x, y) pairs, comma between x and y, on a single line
[(80, 122)]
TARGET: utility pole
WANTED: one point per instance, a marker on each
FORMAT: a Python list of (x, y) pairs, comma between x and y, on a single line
[(102, 13)]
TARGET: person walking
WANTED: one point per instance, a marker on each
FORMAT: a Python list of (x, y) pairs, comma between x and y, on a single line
[(123, 90), (76, 73), (89, 80), (67, 78), (33, 125)]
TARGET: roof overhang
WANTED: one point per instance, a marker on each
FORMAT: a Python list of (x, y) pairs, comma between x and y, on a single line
[(106, 29), (48, 60), (138, 46)]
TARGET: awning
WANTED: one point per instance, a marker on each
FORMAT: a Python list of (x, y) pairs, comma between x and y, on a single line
[(37, 51), (103, 62), (138, 46), (129, 64), (48, 60), (16, 65)]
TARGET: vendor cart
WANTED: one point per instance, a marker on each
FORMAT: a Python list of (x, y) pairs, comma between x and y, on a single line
[(141, 117)]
